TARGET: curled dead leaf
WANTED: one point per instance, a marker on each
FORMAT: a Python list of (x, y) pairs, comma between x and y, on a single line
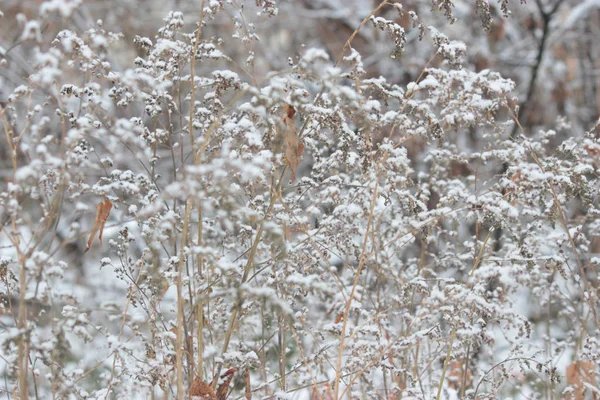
[(224, 386), (294, 148), (339, 318), (102, 213), (201, 390)]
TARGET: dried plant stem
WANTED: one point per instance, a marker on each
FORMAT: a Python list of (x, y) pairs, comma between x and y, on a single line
[(356, 374), (193, 86), (338, 373), (23, 348), (453, 334), (196, 157), (465, 369), (563, 219), (249, 263), (189, 205), (497, 365), (121, 328), (363, 22), (323, 256), (446, 362), (480, 254), (13, 153), (303, 356), (282, 346), (200, 303)]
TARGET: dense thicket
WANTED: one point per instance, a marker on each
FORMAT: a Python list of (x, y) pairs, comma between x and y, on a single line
[(299, 199)]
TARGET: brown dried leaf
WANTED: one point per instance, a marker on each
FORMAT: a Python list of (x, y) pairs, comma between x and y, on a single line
[(339, 318), (102, 213), (202, 390), (247, 387), (455, 376), (293, 146), (224, 387), (578, 374), (324, 394)]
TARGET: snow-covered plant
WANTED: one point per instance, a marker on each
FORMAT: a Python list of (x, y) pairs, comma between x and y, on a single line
[(223, 207)]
